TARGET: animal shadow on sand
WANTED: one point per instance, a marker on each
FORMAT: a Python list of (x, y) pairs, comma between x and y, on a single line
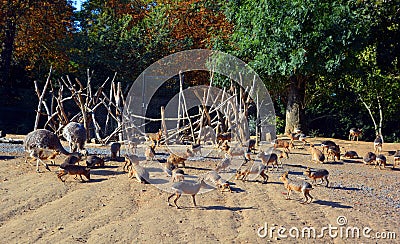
[(334, 162), (221, 208), (7, 157), (352, 161), (71, 179), (296, 166), (331, 204), (117, 159), (103, 171), (291, 172), (96, 180), (197, 168), (158, 181), (236, 189), (344, 188), (271, 182), (258, 182), (212, 157), (106, 167)]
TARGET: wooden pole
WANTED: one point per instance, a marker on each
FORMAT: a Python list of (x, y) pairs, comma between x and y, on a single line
[(118, 109), (257, 119), (163, 125), (41, 97), (109, 104), (179, 103), (187, 115)]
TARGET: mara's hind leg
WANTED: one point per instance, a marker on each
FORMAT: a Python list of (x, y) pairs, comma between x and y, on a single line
[(265, 177), (281, 164), (327, 181), (60, 174), (194, 199), (244, 177), (127, 165), (288, 195), (173, 194), (87, 176), (307, 194), (178, 195)]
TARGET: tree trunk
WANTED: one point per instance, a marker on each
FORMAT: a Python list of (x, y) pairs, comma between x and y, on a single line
[(6, 54), (378, 128), (295, 104)]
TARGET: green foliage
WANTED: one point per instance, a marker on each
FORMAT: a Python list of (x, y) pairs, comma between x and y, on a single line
[(337, 46), (285, 38), (106, 45), (252, 125), (280, 125), (112, 39)]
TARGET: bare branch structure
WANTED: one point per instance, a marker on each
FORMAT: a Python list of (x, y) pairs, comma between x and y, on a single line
[(102, 113), (84, 107)]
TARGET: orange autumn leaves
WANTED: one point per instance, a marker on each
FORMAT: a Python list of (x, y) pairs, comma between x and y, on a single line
[(44, 28), (197, 20), (39, 28)]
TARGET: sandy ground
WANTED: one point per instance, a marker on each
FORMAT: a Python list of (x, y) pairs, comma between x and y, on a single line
[(113, 208)]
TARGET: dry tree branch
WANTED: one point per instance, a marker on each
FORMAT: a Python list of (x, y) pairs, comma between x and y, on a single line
[(41, 97)]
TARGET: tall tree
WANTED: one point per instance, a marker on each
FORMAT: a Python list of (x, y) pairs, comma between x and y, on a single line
[(110, 39), (291, 43), (31, 33), (376, 78), (127, 36), (195, 24), (197, 21)]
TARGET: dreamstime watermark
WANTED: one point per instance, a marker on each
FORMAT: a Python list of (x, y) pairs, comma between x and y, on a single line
[(341, 230), (139, 103)]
